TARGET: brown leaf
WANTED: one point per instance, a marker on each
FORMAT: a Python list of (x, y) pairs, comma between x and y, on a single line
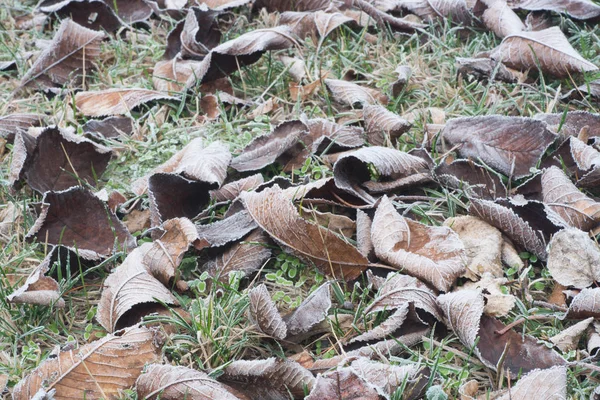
[(587, 90), (543, 384), (432, 10), (399, 169), (171, 75), (497, 303), (68, 58), (311, 311), (464, 314), (363, 234), (434, 254), (574, 259), (100, 369), (115, 101), (110, 128), (91, 14), (174, 383), (572, 123), (387, 378), (383, 127), (404, 73), (529, 224), (80, 221), (500, 18), (511, 145), (223, 4), (131, 11), (474, 179), (59, 159), (263, 311), (487, 69), (394, 298), (232, 190), (574, 207), (195, 162), (268, 379), (585, 304), (579, 9), (350, 94), (568, 339), (548, 48), (387, 327), (246, 256), (130, 292), (227, 230), (291, 5), (342, 384), (483, 245), (195, 36), (265, 150), (12, 123), (316, 23), (277, 216)]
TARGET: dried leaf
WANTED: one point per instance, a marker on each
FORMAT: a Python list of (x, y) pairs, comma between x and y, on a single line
[(291, 5), (511, 145), (342, 384), (315, 23), (574, 259), (574, 207), (276, 215), (171, 75), (500, 18), (80, 221), (474, 179), (10, 217), (268, 379), (109, 128), (131, 11), (262, 309), (173, 383), (223, 4), (387, 327), (92, 14), (579, 9), (548, 48), (585, 304), (100, 369), (115, 101), (350, 94), (59, 160), (434, 254), (131, 292), (387, 378), (232, 190), (12, 123), (432, 10), (571, 123), (404, 73), (195, 36), (226, 230), (352, 174), (311, 311), (265, 150), (393, 298), (487, 69), (568, 339), (497, 303), (383, 127), (67, 59)]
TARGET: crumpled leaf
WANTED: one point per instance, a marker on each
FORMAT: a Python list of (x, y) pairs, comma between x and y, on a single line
[(292, 5), (263, 311), (497, 303), (568, 339), (109, 128), (80, 221), (385, 377), (101, 368), (528, 223), (131, 292), (232, 190), (174, 383), (562, 196), (115, 101), (195, 162), (350, 94), (351, 171), (393, 297), (315, 23), (227, 230), (310, 312), (548, 48), (246, 256), (277, 216), (383, 127), (574, 259), (19, 122), (511, 145), (500, 18), (387, 327), (579, 9), (463, 312), (195, 36), (92, 14), (474, 179), (432, 10), (433, 254), (484, 68), (342, 384), (268, 379), (265, 150), (67, 59), (58, 160)]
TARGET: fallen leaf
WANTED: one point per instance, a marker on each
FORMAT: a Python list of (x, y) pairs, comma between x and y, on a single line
[(310, 312), (487, 69), (67, 59), (434, 254), (100, 369), (80, 221), (386, 377), (585, 304), (58, 160), (571, 123), (510, 145), (396, 297), (568, 339), (115, 101), (342, 384), (387, 327), (469, 176), (12, 123), (277, 216), (431, 10), (296, 67), (172, 75), (137, 221), (399, 169), (175, 382), (10, 217), (350, 94), (195, 36), (314, 23), (574, 259), (290, 5), (404, 73), (263, 311), (497, 303), (230, 229), (589, 90), (110, 128), (232, 190), (500, 18), (579, 9), (223, 4), (383, 127), (91, 14), (548, 48)]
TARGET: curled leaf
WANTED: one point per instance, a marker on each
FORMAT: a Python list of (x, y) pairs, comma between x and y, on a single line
[(115, 101), (263, 310)]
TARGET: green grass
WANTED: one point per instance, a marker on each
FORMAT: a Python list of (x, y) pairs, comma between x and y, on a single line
[(217, 330)]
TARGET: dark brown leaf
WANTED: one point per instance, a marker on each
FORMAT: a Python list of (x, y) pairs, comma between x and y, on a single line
[(59, 160), (311, 311), (102, 368), (115, 101), (78, 220), (195, 36), (383, 127), (579, 9), (486, 68), (404, 73), (131, 11), (232, 190), (474, 179), (277, 216), (572, 123), (12, 123), (351, 94), (110, 128), (227, 230), (92, 14), (67, 58), (511, 145), (318, 24)]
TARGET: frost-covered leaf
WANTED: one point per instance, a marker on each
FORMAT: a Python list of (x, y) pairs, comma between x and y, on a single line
[(109, 128), (574, 259), (568, 339), (500, 18), (115, 101), (263, 310), (311, 311), (579, 9), (383, 127), (10, 124), (471, 177), (195, 36), (316, 24), (541, 384), (349, 93)]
